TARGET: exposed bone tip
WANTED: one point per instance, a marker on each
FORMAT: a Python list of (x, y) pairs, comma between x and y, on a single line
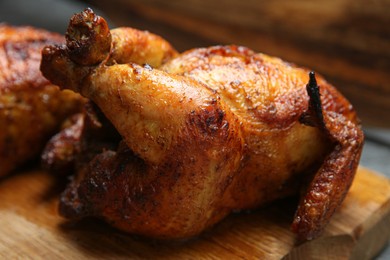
[(312, 79), (88, 38)]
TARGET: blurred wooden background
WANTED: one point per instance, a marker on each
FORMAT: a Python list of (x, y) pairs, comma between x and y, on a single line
[(347, 41)]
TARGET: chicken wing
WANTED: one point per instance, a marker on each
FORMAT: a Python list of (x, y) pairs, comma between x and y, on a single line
[(206, 132)]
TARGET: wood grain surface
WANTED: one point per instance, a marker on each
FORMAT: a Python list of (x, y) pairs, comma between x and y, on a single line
[(347, 41), (31, 228)]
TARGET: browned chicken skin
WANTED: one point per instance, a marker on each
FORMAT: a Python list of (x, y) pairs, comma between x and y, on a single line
[(204, 133), (31, 108)]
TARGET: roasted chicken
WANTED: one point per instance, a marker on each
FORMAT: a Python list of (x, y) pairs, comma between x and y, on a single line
[(204, 133), (31, 108)]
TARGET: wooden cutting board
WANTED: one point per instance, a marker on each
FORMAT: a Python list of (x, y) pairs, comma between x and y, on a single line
[(31, 228)]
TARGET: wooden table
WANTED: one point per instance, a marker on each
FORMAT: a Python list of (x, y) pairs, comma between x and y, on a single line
[(30, 227)]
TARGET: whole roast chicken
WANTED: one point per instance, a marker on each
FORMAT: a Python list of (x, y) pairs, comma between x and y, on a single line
[(202, 133), (31, 108)]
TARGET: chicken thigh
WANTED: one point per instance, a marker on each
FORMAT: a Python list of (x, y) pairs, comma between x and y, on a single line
[(31, 108), (204, 133)]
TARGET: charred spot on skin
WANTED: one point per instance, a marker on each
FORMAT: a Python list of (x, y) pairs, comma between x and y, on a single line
[(209, 118), (213, 119)]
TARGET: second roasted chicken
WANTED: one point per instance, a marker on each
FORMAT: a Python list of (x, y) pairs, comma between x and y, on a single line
[(204, 133), (31, 108)]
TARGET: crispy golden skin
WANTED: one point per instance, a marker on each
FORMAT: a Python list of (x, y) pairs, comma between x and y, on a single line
[(31, 109), (206, 132)]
